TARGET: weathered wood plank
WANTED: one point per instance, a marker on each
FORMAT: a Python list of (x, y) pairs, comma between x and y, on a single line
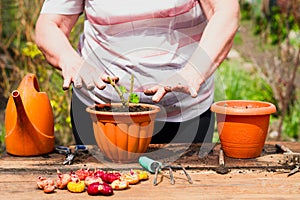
[(207, 185)]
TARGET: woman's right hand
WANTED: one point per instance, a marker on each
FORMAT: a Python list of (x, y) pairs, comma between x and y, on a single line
[(85, 74), (52, 33)]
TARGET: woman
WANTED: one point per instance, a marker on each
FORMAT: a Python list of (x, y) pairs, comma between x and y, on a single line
[(172, 47)]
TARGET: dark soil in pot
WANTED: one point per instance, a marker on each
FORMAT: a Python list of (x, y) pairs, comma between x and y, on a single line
[(131, 108)]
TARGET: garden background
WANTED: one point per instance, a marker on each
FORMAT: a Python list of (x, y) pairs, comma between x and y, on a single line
[(263, 64)]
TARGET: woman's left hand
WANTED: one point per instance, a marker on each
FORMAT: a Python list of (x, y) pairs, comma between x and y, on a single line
[(188, 80)]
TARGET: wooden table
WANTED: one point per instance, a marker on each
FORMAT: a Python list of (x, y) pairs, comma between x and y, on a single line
[(264, 177)]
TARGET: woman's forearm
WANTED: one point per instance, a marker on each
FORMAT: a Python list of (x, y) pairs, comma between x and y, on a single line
[(52, 32)]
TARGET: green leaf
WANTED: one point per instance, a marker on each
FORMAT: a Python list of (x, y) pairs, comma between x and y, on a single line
[(31, 50), (123, 89), (295, 40), (134, 98)]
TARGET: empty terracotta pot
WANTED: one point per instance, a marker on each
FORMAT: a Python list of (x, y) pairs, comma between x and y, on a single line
[(123, 136), (242, 126)]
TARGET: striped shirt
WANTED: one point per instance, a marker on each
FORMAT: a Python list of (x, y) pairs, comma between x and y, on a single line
[(152, 40)]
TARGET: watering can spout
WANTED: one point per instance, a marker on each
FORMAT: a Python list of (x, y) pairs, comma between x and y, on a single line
[(29, 120), (21, 113)]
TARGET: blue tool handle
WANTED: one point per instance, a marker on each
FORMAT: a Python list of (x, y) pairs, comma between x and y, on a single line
[(63, 150), (149, 164), (81, 148)]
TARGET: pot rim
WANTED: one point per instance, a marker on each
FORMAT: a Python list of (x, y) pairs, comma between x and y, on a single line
[(259, 107), (155, 109)]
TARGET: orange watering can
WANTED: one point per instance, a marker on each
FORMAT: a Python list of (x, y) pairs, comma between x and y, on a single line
[(29, 121)]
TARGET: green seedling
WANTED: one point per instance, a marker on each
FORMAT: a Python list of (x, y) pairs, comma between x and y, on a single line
[(121, 90)]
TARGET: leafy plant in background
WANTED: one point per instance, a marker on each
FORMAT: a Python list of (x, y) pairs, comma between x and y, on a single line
[(274, 49), (32, 51), (2, 139), (292, 120), (233, 81)]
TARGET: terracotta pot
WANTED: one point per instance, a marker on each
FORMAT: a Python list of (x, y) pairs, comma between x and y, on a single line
[(123, 136), (29, 120), (242, 126)]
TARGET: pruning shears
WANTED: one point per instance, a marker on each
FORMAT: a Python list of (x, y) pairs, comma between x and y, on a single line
[(69, 154)]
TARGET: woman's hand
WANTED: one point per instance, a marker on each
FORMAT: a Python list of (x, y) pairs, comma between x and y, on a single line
[(52, 33), (86, 74), (188, 80)]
